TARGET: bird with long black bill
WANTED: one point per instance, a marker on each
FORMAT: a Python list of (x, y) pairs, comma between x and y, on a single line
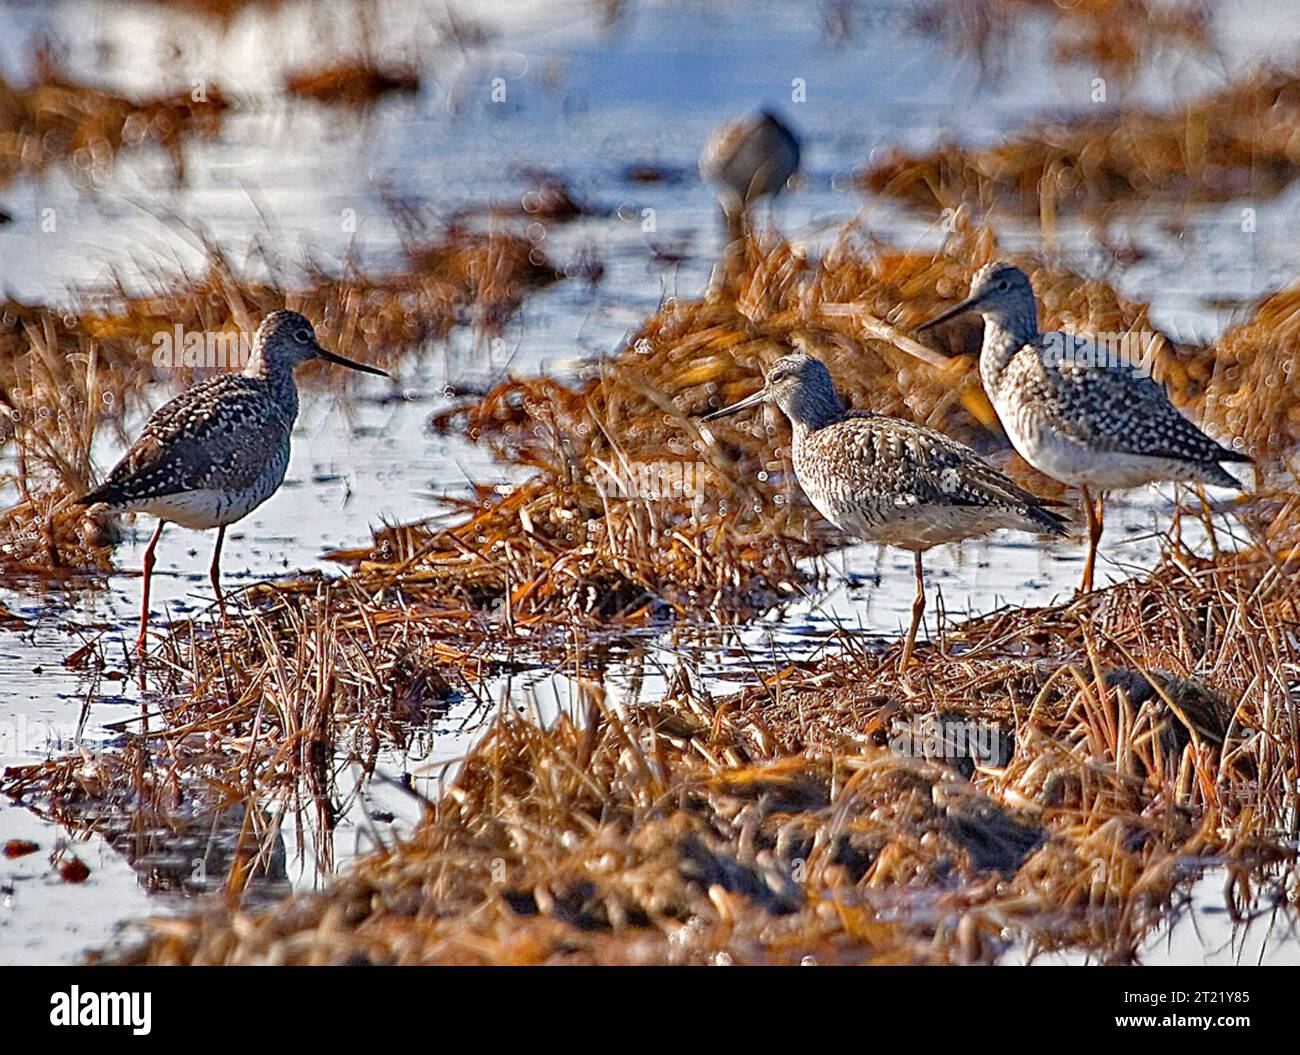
[(220, 449), (1077, 412), (887, 480)]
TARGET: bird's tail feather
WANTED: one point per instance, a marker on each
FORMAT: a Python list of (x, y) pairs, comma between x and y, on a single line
[(103, 493), (1048, 521), (1216, 474)]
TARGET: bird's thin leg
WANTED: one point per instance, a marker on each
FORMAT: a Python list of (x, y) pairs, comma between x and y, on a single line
[(1208, 516), (918, 610), (214, 572), (148, 575), (1094, 536), (732, 265)]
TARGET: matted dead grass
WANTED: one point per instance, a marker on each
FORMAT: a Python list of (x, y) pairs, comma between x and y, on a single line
[(1149, 732), (1144, 736), (1237, 143), (54, 119), (1114, 37), (352, 82)]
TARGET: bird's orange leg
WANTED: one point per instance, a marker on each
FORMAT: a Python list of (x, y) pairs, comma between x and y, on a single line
[(148, 575), (1086, 585), (1207, 515), (214, 572), (918, 610)]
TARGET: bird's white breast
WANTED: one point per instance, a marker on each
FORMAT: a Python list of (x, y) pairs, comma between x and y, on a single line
[(1073, 462), (204, 509)]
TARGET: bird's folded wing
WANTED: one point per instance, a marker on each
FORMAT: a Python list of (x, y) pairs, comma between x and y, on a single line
[(917, 464), (211, 437), (1117, 406)]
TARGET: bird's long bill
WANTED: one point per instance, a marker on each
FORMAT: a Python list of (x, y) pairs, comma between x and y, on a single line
[(735, 408), (331, 357), (957, 309)]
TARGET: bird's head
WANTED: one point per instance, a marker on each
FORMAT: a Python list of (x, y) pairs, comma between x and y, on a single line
[(997, 290), (286, 338), (797, 383)]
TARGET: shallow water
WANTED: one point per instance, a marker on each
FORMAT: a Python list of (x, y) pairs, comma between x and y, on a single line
[(583, 101)]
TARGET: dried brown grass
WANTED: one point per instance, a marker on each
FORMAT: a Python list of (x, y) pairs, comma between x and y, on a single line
[(57, 120), (1152, 725), (1235, 143), (784, 823), (1115, 37), (352, 82)]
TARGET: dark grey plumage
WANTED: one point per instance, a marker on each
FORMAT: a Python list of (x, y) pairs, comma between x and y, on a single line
[(749, 159)]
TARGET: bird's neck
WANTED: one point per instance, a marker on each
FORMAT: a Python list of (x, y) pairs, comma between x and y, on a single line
[(1005, 333), (278, 377), (809, 410)]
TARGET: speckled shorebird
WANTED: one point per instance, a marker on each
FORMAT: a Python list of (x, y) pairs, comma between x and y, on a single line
[(748, 159), (219, 450), (1079, 413), (890, 481)]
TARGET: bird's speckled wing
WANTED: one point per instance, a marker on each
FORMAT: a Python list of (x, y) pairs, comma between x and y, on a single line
[(863, 457), (218, 435), (1113, 406)]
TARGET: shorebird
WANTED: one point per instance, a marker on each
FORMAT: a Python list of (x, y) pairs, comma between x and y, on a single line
[(1079, 413), (890, 481), (748, 159), (220, 449)]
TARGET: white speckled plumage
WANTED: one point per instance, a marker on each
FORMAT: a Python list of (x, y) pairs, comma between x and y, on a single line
[(1078, 413), (890, 481), (208, 457), (900, 484), (213, 454)]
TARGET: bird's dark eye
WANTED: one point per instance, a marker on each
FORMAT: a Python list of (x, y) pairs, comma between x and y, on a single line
[(1004, 283), (302, 336)]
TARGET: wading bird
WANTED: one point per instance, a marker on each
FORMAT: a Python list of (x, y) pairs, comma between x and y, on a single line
[(220, 449), (1074, 411), (746, 160), (890, 481)]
